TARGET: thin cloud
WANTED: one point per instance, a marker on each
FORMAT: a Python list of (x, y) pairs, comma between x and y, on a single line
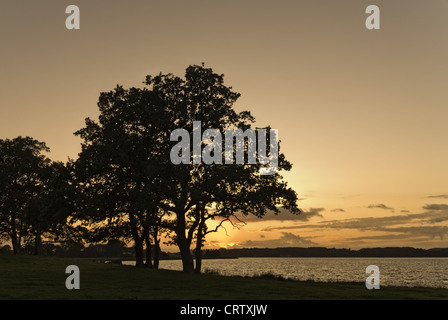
[(436, 207), (376, 223), (379, 206), (409, 233), (440, 196), (287, 239), (425, 231), (337, 210), (284, 215), (383, 237)]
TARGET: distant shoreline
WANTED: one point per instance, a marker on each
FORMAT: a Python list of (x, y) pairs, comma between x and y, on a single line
[(298, 252), (392, 252)]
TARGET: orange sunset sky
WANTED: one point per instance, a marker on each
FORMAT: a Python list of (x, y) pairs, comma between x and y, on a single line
[(362, 114)]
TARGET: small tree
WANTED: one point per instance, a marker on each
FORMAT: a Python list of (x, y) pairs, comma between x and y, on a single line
[(22, 164), (50, 209)]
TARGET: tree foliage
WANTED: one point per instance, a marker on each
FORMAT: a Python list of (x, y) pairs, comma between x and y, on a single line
[(33, 198), (128, 184)]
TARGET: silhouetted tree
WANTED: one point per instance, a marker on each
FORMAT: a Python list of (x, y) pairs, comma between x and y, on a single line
[(117, 170), (21, 166), (228, 190), (34, 197), (126, 176), (189, 188), (52, 206)]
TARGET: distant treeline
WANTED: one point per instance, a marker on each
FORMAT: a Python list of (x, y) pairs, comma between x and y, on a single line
[(112, 249), (115, 249), (327, 252)]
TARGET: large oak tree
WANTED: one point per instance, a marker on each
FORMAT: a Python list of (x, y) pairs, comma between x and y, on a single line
[(128, 180)]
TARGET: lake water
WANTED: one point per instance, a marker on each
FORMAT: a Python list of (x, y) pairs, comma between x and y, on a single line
[(413, 272)]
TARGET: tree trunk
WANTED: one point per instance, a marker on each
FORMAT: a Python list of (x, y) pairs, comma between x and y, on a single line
[(198, 256), (13, 234), (184, 244), (15, 243), (157, 253), (156, 247), (148, 262), (138, 252), (38, 245), (199, 237), (138, 241), (187, 258), (38, 241)]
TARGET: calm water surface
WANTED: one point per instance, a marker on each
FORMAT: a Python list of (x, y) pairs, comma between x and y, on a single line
[(414, 272)]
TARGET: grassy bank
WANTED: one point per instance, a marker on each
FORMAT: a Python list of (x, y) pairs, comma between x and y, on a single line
[(30, 277)]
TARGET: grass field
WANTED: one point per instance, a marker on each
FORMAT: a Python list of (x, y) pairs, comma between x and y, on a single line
[(43, 278)]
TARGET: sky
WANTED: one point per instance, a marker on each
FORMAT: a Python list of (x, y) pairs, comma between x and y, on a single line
[(360, 113)]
